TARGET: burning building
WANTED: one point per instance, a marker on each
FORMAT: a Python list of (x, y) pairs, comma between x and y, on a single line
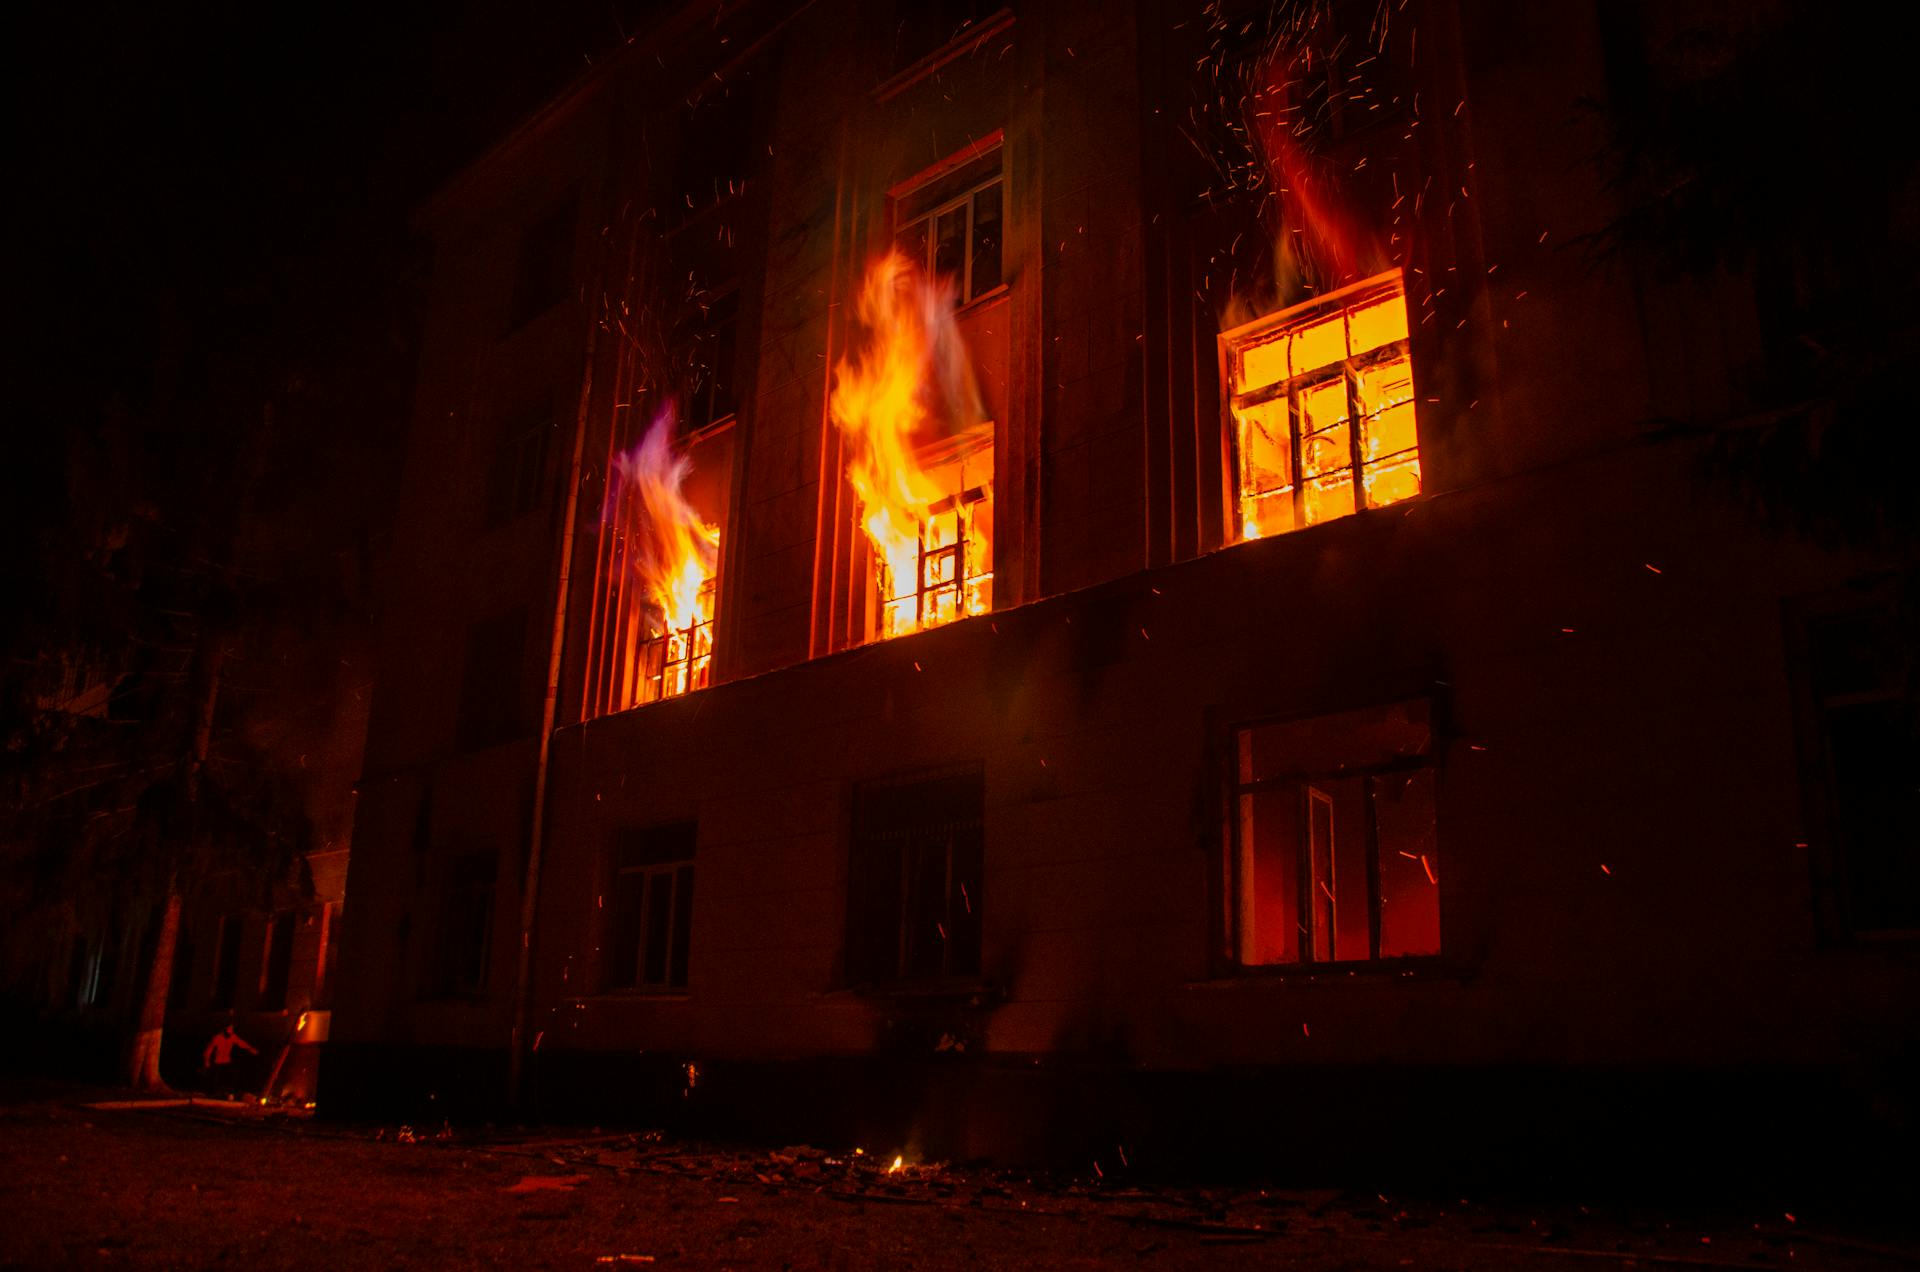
[(1123, 552)]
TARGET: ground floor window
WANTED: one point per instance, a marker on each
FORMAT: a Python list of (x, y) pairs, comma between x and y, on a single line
[(1333, 855), (1855, 681), (652, 904), (914, 880)]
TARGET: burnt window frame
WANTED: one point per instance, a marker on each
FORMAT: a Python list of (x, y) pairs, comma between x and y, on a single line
[(892, 820), (1272, 328), (666, 853), (1303, 778)]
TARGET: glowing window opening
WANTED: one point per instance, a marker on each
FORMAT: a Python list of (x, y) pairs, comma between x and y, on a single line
[(1318, 394)]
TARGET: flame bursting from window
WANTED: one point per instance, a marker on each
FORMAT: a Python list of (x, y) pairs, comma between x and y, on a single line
[(673, 553), (919, 455)]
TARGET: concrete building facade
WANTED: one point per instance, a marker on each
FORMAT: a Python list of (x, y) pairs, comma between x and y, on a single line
[(1245, 800)]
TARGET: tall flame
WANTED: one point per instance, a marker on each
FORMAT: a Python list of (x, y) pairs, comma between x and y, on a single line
[(672, 550), (906, 386)]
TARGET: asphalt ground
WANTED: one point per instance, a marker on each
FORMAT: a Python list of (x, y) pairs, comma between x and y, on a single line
[(96, 1178)]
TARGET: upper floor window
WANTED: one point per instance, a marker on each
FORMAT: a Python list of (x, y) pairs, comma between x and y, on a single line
[(543, 269), (516, 474), (493, 692), (951, 228), (1333, 856), (1322, 402)]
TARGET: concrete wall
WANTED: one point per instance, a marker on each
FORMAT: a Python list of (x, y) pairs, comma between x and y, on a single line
[(1623, 882)]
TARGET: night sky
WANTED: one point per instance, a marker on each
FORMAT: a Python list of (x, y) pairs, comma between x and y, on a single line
[(214, 202)]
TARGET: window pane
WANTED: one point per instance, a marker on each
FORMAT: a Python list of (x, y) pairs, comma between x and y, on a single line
[(1341, 873), (1317, 345), (1323, 428), (1329, 497), (913, 243), (950, 245), (963, 900), (682, 925), (1409, 864), (986, 241), (1262, 364), (925, 931), (1386, 399), (1875, 749), (1320, 877), (1393, 481), (1269, 877), (659, 927), (1382, 322), (629, 908)]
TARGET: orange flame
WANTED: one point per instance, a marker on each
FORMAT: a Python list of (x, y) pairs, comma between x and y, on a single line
[(906, 388), (674, 552)]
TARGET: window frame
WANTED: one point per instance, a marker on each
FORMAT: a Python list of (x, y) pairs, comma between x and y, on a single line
[(966, 295), (1302, 778), (1234, 401), (892, 842), (668, 851)]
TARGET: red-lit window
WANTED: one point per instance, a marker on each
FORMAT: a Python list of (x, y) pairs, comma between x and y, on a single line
[(1333, 856)]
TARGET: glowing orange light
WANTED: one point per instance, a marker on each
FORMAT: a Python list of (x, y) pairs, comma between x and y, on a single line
[(919, 453), (673, 552)]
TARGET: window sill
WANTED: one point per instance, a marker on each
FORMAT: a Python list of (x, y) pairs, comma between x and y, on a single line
[(929, 991), (985, 300), (1254, 978)]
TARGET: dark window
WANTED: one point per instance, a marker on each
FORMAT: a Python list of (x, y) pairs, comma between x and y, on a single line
[(1863, 748), (652, 903), (493, 697), (953, 228), (543, 276), (279, 963), (464, 944), (226, 962), (1333, 854), (516, 477), (914, 879)]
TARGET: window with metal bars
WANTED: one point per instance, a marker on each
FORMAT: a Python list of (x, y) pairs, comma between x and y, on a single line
[(914, 880), (1322, 405), (1333, 855)]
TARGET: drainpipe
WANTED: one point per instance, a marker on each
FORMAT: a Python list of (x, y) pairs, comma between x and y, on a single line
[(536, 835)]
